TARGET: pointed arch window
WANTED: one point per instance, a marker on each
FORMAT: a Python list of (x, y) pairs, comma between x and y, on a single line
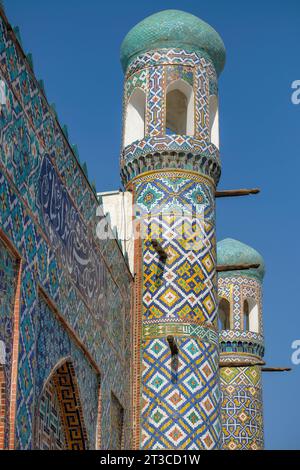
[(250, 315), (60, 424), (135, 117), (214, 120), (224, 315), (180, 108)]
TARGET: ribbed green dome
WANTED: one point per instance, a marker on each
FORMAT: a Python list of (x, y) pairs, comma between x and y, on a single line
[(173, 29), (230, 251)]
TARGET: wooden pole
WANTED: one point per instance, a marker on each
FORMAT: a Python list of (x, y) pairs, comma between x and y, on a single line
[(276, 369), (241, 364), (236, 192), (161, 252), (173, 345), (235, 267)]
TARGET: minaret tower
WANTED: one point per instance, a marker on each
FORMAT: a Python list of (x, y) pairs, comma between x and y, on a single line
[(241, 346), (170, 163)]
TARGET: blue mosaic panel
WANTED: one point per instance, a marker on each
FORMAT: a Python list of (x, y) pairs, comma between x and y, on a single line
[(31, 138), (155, 108), (54, 344), (181, 404)]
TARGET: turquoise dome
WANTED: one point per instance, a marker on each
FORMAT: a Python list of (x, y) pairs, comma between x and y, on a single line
[(173, 29), (230, 251)]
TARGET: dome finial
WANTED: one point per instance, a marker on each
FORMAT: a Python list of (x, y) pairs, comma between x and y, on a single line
[(173, 29), (234, 252)]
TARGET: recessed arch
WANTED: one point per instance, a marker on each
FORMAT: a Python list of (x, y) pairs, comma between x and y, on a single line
[(180, 108), (116, 424), (214, 120), (135, 117), (224, 314), (250, 317), (59, 423)]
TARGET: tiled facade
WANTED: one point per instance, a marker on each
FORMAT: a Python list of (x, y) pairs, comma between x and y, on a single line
[(74, 289)]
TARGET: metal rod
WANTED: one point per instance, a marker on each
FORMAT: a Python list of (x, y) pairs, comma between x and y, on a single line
[(235, 267), (236, 192)]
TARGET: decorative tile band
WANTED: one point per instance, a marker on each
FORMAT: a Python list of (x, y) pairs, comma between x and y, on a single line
[(242, 347), (237, 289), (169, 143), (157, 330), (178, 398), (170, 57), (181, 398), (239, 335), (170, 152)]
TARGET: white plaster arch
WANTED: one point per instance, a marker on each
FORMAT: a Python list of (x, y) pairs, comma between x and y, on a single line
[(180, 108), (135, 117), (250, 315), (214, 120), (224, 314)]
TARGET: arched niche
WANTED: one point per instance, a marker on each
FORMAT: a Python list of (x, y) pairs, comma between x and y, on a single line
[(250, 315), (214, 120), (59, 419), (180, 108), (224, 314), (135, 117)]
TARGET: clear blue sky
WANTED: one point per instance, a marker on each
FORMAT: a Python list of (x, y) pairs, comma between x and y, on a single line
[(75, 46)]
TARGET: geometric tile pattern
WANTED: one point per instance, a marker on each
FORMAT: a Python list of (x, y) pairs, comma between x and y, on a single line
[(168, 57), (242, 418), (155, 117), (29, 135), (137, 80), (180, 395), (202, 106), (190, 149), (181, 408), (236, 289), (179, 291), (183, 287)]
